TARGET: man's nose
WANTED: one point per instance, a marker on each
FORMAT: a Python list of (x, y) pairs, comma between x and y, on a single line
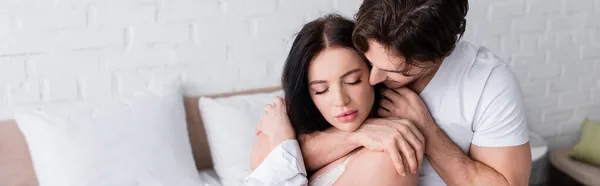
[(376, 76)]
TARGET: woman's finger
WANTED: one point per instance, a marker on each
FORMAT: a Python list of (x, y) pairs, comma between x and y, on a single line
[(259, 127), (269, 107), (278, 101)]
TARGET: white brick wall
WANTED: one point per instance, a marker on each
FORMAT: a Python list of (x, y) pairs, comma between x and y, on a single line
[(75, 51)]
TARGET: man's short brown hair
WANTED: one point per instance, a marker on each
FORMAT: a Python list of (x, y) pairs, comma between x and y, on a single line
[(420, 31)]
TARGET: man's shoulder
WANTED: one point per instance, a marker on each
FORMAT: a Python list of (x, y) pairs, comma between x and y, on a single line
[(472, 64), (483, 60), (478, 71), (492, 78)]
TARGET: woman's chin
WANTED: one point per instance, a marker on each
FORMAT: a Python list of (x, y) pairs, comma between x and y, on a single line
[(348, 127)]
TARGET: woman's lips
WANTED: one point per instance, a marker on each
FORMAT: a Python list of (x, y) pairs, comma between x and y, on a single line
[(347, 116)]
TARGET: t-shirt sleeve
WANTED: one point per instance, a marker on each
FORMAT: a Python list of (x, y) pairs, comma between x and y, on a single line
[(500, 115)]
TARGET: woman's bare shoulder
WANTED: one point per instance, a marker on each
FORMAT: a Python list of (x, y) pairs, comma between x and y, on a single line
[(374, 168)]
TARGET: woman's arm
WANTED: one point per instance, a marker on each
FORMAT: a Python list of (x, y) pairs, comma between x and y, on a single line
[(261, 149), (399, 138), (279, 164), (324, 147), (374, 168), (274, 128)]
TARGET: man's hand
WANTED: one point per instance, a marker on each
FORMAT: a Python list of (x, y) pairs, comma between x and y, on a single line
[(405, 103), (394, 136), (275, 123)]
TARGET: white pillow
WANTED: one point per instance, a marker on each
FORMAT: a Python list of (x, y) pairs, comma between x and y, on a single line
[(136, 141), (230, 124)]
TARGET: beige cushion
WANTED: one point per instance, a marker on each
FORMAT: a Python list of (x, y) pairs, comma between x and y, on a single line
[(16, 168), (587, 149), (584, 173)]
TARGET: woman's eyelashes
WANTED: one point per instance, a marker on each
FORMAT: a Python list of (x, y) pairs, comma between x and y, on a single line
[(356, 82), (319, 88), (321, 92)]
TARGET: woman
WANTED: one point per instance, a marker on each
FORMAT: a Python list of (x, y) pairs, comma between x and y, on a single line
[(326, 85)]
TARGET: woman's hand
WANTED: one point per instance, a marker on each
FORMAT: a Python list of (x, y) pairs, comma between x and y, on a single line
[(275, 123), (274, 128), (395, 136)]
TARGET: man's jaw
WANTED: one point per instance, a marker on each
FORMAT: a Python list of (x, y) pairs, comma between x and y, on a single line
[(393, 84)]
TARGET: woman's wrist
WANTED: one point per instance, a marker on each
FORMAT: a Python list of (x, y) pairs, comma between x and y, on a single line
[(276, 140)]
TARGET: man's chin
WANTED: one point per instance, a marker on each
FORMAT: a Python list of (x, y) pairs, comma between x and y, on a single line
[(394, 85)]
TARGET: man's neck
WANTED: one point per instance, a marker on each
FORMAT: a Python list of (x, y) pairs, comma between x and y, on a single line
[(423, 80)]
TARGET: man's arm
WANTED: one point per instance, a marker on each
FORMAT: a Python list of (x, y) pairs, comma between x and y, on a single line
[(514, 163), (500, 153), (485, 166), (321, 148), (399, 138)]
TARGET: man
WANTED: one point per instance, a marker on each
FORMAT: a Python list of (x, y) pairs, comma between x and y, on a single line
[(463, 98)]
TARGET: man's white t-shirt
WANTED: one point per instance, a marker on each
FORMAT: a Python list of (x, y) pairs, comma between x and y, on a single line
[(475, 99)]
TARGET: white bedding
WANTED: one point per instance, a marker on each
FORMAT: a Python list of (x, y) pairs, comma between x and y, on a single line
[(209, 177)]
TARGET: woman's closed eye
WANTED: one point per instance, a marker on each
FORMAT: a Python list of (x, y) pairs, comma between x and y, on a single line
[(319, 88), (324, 90), (356, 82), (321, 92)]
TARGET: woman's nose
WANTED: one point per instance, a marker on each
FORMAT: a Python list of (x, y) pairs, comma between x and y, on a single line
[(376, 76), (340, 98)]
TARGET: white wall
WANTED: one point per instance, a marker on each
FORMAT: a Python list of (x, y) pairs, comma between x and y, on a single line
[(76, 51)]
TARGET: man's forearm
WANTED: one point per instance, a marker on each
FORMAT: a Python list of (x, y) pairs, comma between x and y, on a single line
[(321, 148), (453, 165)]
